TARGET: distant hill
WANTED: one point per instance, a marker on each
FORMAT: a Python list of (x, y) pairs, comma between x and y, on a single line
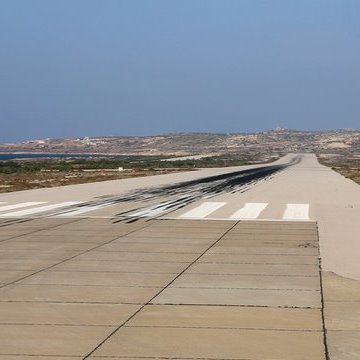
[(180, 144)]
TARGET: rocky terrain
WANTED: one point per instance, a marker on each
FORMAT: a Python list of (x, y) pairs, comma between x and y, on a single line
[(342, 142)]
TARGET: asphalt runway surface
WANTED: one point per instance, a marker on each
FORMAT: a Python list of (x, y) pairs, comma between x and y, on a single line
[(256, 262)]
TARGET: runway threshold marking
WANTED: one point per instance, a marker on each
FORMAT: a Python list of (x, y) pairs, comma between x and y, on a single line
[(82, 210), (249, 211), (296, 212), (21, 205), (151, 211), (203, 210), (39, 209)]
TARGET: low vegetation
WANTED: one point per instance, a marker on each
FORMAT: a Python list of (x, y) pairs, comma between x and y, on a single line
[(30, 174)]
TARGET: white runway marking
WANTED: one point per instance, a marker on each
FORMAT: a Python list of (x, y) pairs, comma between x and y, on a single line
[(82, 210), (152, 211), (249, 211), (39, 209), (296, 212), (203, 210), (21, 205)]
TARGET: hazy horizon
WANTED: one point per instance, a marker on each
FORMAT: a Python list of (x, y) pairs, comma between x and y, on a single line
[(181, 132), (76, 68)]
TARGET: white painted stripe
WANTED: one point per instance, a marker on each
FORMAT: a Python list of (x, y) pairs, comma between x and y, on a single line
[(249, 211), (39, 209), (82, 210), (203, 210), (152, 211), (296, 212), (21, 205)]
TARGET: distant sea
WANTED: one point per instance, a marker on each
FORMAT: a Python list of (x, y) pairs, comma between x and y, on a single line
[(54, 156)]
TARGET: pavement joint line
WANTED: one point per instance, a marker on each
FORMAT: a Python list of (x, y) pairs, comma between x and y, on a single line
[(149, 252), (72, 257), (82, 285), (159, 292), (121, 357), (57, 324), (139, 261), (218, 328), (345, 330), (243, 288), (109, 286), (232, 253), (167, 327), (235, 305), (247, 263), (174, 287), (172, 273), (163, 358), (114, 271), (262, 275), (343, 301), (325, 342), (71, 302), (54, 356)]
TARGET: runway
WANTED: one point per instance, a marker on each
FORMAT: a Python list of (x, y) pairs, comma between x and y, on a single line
[(237, 263)]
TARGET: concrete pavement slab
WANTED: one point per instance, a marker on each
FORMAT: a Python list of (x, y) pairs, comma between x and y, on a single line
[(273, 230), (165, 248), (65, 313), (297, 244), (32, 357), (338, 288), (268, 248), (170, 235), (98, 278), (106, 286), (247, 282), (40, 255), (24, 264), (50, 339), (214, 343), (271, 236), (8, 276), (243, 297), (227, 247), (78, 294), (155, 241), (122, 266), (254, 269), (229, 317), (344, 345), (138, 256), (264, 250), (90, 238), (46, 246), (212, 257), (342, 315)]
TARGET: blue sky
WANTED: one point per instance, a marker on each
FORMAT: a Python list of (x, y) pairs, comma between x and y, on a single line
[(71, 68)]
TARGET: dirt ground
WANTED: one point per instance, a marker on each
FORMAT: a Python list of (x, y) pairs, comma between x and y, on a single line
[(39, 179)]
